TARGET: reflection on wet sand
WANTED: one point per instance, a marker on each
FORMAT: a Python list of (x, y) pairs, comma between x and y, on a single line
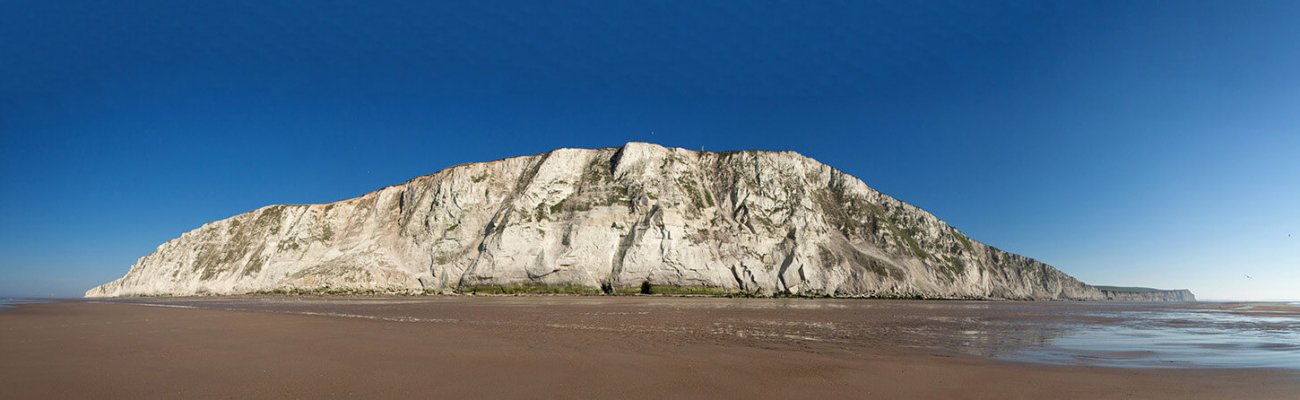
[(1105, 334), (1225, 335)]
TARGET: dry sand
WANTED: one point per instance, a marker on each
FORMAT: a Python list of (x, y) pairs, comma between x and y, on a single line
[(558, 348)]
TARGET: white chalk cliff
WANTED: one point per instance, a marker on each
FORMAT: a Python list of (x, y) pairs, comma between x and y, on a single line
[(610, 220)]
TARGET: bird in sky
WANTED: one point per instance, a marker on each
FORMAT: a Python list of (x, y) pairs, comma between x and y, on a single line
[(1248, 276)]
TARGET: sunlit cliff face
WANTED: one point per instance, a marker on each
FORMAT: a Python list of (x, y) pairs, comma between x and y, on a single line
[(639, 218)]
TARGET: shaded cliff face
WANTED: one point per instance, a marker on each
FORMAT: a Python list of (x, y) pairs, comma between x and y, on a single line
[(1149, 295), (602, 220)]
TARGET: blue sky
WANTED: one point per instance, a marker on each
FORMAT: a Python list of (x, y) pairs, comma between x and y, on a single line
[(1133, 143)]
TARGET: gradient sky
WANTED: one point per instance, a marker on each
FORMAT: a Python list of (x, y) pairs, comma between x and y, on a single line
[(1151, 143)]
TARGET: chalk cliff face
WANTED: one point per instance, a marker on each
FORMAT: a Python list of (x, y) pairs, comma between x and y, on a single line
[(1149, 295), (602, 220)]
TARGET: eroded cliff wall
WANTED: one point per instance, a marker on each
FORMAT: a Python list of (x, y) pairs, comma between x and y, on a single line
[(612, 219), (1150, 295)]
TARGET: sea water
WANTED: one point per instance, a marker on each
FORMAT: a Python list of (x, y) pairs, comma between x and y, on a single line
[(10, 302), (1248, 337)]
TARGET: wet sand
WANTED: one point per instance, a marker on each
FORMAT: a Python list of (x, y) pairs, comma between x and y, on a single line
[(570, 347)]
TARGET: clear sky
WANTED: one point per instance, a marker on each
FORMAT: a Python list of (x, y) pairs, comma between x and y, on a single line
[(1147, 143)]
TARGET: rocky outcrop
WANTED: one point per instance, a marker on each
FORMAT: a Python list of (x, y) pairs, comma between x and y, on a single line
[(1144, 294), (641, 217)]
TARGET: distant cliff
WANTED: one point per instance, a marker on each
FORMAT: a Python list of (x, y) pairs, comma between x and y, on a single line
[(1145, 294), (638, 218)]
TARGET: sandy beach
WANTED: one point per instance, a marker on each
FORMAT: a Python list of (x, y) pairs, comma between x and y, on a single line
[(561, 347)]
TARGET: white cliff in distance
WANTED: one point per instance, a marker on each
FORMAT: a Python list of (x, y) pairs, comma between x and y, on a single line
[(641, 217)]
